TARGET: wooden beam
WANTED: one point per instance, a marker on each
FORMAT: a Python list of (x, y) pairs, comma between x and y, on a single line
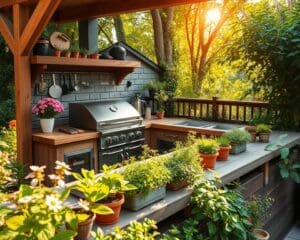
[(23, 108), (109, 8), (7, 3), (36, 24), (6, 32)]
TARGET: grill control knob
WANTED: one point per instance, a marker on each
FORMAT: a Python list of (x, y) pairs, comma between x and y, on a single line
[(139, 134), (115, 139), (131, 135), (122, 138), (108, 141)]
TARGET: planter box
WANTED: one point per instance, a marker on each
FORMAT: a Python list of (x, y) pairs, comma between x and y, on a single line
[(136, 202), (175, 186), (238, 148)]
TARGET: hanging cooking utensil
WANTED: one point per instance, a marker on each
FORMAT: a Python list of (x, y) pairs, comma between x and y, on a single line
[(71, 87), (65, 89), (42, 88), (55, 91), (76, 87)]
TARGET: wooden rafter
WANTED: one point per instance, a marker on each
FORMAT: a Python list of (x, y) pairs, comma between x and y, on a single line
[(36, 24), (6, 32), (7, 3)]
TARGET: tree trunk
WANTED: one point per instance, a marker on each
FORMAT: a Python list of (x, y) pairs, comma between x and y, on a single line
[(167, 16), (158, 36), (119, 27)]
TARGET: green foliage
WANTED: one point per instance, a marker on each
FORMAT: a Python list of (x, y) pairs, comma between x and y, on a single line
[(207, 146), (146, 230), (223, 141), (147, 175), (83, 51), (258, 208), (161, 97), (223, 210), (154, 85), (263, 128), (238, 136), (7, 108), (183, 163), (269, 43)]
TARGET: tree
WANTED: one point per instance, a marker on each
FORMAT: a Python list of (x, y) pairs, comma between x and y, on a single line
[(119, 27), (201, 32)]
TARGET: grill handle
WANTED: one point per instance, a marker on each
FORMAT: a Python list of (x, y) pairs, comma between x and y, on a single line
[(111, 153), (120, 122)]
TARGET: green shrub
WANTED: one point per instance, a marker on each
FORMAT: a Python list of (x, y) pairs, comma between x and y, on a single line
[(154, 85), (207, 146), (263, 128), (238, 136), (147, 175), (223, 141)]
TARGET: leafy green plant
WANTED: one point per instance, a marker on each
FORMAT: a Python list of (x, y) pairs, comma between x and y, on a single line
[(74, 48), (207, 146), (183, 163), (223, 141), (263, 128), (146, 230), (161, 97), (224, 211), (84, 51), (238, 136), (147, 175), (154, 85), (258, 208)]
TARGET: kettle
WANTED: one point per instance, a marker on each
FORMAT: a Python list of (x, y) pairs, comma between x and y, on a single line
[(138, 103)]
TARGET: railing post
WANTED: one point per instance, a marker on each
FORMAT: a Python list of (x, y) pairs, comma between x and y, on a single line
[(215, 109)]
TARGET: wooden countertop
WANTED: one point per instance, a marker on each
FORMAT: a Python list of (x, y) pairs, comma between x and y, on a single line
[(59, 138)]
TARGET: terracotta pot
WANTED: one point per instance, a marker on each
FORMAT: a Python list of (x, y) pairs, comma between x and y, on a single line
[(253, 136), (111, 218), (84, 228), (261, 234), (223, 153), (209, 160), (83, 55), (174, 186), (75, 54), (67, 54), (160, 115), (250, 128), (94, 56), (57, 53), (264, 137)]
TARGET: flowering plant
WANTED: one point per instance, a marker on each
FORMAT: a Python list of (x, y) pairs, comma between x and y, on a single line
[(37, 211), (48, 108)]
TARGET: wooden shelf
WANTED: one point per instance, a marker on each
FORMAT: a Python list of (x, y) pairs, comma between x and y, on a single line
[(119, 68)]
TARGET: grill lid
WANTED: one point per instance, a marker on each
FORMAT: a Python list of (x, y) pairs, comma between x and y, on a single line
[(103, 115)]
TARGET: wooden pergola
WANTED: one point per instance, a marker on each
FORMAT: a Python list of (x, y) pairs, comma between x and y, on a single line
[(21, 24)]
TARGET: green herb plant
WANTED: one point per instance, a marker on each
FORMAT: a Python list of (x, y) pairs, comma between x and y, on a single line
[(207, 146), (223, 141), (237, 136), (84, 51), (161, 97), (263, 128), (154, 85)]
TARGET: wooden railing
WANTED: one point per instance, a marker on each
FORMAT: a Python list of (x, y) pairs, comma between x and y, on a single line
[(220, 110)]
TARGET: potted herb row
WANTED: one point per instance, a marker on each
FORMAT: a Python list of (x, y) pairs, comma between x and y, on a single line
[(238, 139), (150, 178), (208, 150)]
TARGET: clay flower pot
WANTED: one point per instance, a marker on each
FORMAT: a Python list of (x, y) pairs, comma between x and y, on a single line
[(84, 228), (174, 186), (67, 54), (209, 160), (253, 136), (75, 54), (223, 153), (83, 55), (264, 137), (94, 56), (57, 53), (116, 207), (160, 115), (261, 234)]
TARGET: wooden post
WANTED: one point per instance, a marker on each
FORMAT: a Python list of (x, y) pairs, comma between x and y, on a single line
[(215, 109), (266, 173)]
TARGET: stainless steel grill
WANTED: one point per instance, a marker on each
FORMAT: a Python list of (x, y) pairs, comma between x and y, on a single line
[(120, 126)]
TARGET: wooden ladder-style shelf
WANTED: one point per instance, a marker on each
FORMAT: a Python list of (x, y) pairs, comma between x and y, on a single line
[(120, 68)]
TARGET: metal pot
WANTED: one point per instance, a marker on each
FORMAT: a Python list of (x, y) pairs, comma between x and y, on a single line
[(118, 52), (138, 103)]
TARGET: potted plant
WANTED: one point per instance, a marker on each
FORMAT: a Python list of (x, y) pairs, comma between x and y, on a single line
[(184, 165), (66, 53), (115, 199), (251, 129), (224, 148), (208, 149), (264, 132), (94, 55), (38, 211), (42, 45), (57, 51), (46, 109), (75, 51), (150, 178), (161, 97), (84, 52), (258, 208), (153, 86), (238, 140), (93, 192)]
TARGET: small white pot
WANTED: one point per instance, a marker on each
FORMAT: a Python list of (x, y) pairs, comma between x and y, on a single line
[(261, 234), (47, 124)]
